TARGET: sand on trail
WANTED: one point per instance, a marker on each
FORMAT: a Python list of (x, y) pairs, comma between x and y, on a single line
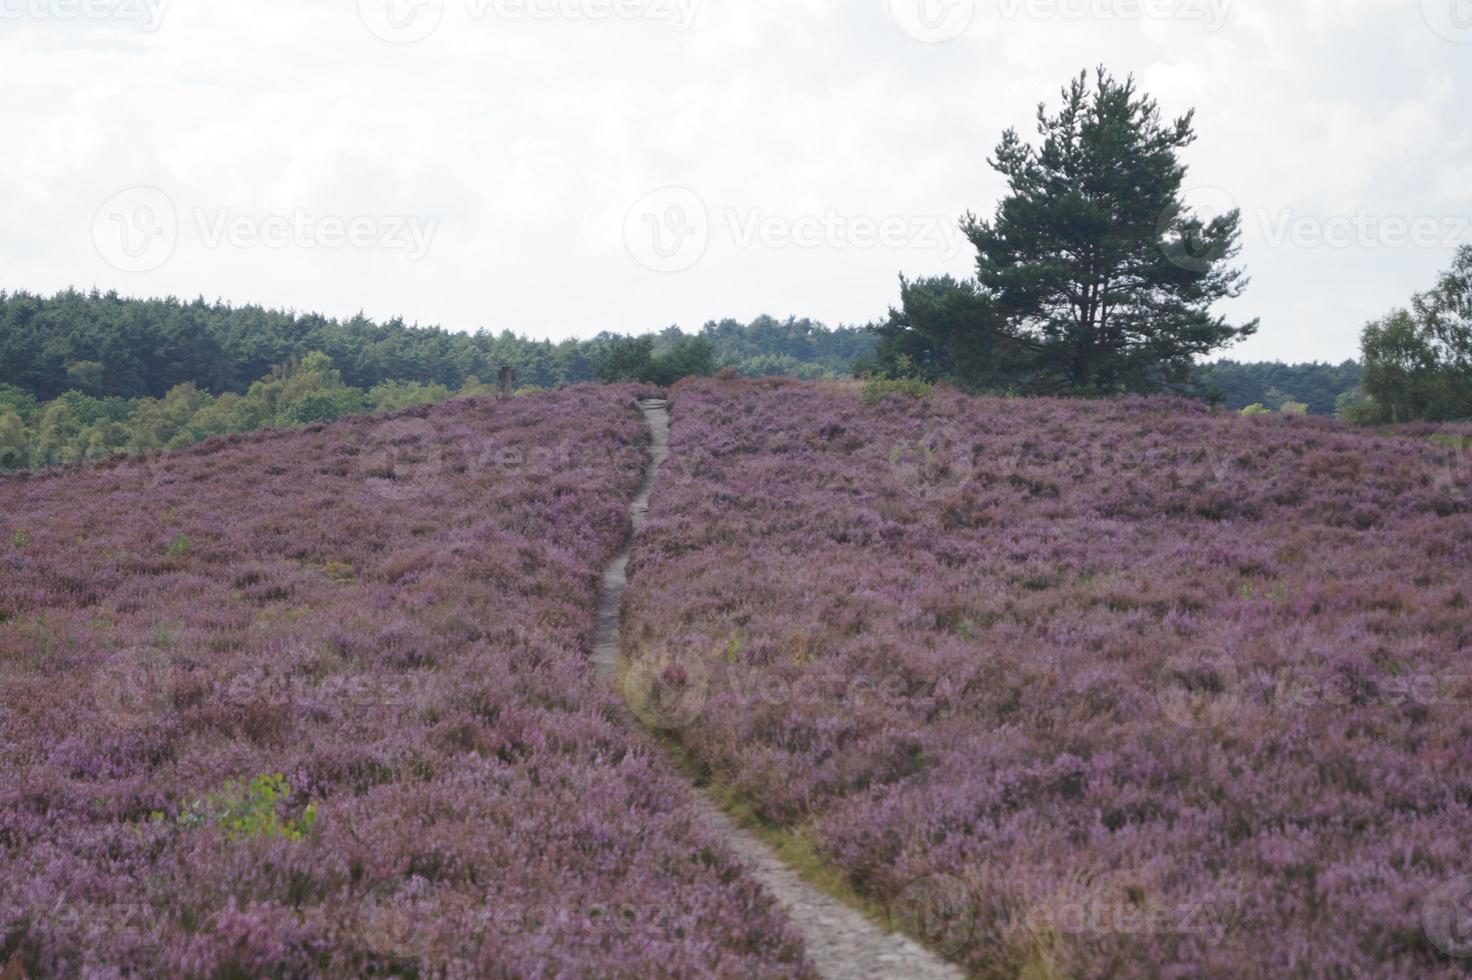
[(841, 942)]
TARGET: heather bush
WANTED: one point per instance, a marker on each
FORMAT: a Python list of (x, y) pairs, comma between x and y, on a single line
[(1109, 688), (348, 665)]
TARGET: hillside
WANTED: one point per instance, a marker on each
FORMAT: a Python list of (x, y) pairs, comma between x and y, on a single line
[(1106, 688), (318, 703), (1057, 687)]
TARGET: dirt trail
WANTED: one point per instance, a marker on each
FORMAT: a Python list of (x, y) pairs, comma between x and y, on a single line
[(840, 941)]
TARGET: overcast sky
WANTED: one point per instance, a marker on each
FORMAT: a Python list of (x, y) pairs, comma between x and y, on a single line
[(561, 167)]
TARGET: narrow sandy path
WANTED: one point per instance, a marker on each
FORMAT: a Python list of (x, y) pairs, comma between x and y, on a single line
[(840, 941)]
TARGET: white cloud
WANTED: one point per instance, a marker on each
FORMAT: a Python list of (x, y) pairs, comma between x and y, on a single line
[(527, 139)]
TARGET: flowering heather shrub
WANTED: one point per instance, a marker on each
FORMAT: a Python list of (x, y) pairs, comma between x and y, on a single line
[(1081, 688), (393, 615)]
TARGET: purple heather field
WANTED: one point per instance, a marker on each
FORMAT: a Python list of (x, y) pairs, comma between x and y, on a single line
[(1123, 688), (1063, 688), (318, 703)]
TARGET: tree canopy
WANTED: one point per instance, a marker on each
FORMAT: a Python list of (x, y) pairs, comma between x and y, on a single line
[(105, 345), (1418, 361), (1093, 276)]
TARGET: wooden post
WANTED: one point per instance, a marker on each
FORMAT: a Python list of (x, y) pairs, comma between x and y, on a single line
[(507, 380)]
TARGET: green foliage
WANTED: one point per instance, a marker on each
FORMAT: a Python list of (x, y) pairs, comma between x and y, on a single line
[(683, 358), (320, 406), (14, 440), (178, 545), (1351, 405), (734, 646), (1104, 278), (17, 400), (108, 346), (75, 427), (1239, 384), (1287, 408), (391, 396), (624, 359), (946, 330), (878, 389), (246, 811), (799, 348), (1418, 361), (86, 376), (20, 539), (661, 360)]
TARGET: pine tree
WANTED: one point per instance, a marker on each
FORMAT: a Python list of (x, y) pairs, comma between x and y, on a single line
[(1101, 272)]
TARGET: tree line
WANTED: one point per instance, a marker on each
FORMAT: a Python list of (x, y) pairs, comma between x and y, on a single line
[(1323, 389), (105, 345), (80, 374)]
